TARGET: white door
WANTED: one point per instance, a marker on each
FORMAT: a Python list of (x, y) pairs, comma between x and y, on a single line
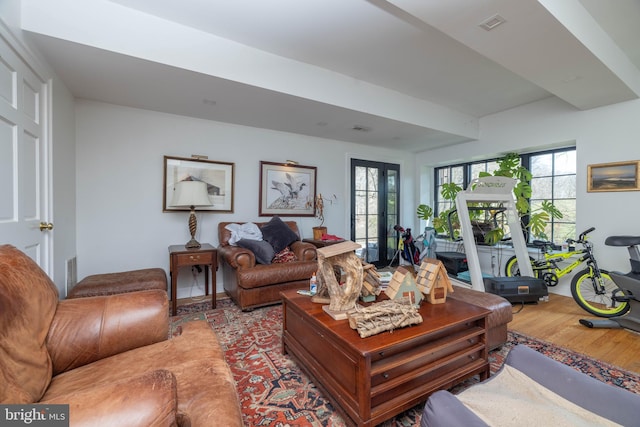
[(24, 165)]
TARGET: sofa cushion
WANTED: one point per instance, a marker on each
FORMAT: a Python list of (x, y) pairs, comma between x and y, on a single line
[(25, 365), (278, 234), (205, 386), (273, 274), (262, 249), (147, 400)]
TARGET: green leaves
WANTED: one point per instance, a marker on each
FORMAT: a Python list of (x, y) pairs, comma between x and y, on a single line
[(450, 190), (424, 212)]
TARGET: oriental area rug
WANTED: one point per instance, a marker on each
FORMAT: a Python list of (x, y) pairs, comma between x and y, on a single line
[(274, 391)]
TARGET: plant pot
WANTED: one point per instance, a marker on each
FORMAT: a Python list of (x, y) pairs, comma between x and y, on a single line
[(318, 232)]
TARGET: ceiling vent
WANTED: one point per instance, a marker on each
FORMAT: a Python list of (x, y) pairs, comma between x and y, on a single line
[(491, 23)]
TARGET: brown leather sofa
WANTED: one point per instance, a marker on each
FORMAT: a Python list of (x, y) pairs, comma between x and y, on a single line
[(253, 285), (107, 357), (497, 321)]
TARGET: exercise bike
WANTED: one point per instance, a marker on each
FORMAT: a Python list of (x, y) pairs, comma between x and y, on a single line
[(628, 291)]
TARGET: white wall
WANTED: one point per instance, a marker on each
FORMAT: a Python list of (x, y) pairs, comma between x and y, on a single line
[(120, 223), (64, 181), (607, 134)]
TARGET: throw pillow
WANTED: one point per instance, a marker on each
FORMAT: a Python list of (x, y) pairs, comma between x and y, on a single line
[(278, 234), (285, 255), (262, 250)]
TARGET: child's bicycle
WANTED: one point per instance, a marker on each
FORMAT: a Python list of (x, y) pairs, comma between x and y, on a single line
[(592, 288)]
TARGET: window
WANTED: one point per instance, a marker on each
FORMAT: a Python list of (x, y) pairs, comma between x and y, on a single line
[(553, 179)]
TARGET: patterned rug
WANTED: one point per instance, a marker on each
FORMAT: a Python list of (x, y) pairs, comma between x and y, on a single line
[(273, 391)]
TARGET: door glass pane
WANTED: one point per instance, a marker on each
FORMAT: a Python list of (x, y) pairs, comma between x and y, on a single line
[(375, 209)]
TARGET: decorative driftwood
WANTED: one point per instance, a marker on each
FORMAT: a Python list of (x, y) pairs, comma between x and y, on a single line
[(371, 281), (384, 316), (343, 295)]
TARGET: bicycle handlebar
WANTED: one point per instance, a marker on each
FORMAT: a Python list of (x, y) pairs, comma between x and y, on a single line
[(584, 234)]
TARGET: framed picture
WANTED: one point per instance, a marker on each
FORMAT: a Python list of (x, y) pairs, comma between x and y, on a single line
[(620, 176), (287, 189), (217, 175)]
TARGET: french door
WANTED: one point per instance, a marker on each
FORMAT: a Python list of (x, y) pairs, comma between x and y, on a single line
[(375, 201)]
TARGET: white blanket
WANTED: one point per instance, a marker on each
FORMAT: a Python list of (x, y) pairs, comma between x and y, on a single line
[(511, 398), (248, 230)]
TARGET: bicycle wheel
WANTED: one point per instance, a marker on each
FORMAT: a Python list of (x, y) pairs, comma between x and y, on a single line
[(599, 303), (512, 269)]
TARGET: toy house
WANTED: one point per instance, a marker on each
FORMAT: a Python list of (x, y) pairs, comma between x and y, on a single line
[(433, 281), (403, 284)]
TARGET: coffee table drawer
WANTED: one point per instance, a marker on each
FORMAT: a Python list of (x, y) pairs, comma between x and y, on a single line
[(423, 355)]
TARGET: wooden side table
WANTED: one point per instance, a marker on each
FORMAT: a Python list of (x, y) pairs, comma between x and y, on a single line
[(179, 256), (322, 243)]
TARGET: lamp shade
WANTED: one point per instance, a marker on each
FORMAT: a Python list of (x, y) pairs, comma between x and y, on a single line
[(190, 193)]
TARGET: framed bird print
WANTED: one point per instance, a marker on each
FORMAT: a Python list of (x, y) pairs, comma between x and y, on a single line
[(287, 189)]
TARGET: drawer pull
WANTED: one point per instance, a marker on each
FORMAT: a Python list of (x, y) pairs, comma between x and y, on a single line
[(381, 354), (194, 257), (385, 376)]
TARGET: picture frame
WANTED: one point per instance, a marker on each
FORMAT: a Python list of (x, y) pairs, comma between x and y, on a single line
[(219, 177), (617, 176), (287, 189)]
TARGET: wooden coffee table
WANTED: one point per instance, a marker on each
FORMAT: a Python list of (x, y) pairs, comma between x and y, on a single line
[(369, 380)]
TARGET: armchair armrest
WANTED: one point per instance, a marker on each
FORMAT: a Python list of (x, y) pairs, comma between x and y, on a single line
[(237, 257), (84, 330), (304, 251), (144, 401)]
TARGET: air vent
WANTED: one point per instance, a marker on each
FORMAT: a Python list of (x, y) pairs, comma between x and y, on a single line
[(493, 22), (72, 273)]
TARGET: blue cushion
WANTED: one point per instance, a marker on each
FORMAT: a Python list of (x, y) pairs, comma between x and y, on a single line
[(262, 250)]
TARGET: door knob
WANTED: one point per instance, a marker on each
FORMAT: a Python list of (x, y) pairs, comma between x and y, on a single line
[(46, 226)]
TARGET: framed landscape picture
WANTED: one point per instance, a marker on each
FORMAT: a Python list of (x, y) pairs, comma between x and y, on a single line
[(619, 176), (287, 189), (217, 175)]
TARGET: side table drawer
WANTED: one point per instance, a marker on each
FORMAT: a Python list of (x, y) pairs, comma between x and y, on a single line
[(194, 259)]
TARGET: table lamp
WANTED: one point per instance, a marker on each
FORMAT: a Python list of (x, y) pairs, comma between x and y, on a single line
[(191, 194)]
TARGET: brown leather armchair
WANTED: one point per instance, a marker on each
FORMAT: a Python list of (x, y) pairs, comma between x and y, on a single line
[(107, 357), (251, 284)]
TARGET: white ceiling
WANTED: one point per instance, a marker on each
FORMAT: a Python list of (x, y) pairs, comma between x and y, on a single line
[(415, 74)]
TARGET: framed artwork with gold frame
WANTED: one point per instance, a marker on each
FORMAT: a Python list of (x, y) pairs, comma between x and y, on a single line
[(618, 176)]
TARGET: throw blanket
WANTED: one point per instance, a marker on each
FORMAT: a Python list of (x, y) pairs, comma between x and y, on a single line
[(248, 230), (512, 398)]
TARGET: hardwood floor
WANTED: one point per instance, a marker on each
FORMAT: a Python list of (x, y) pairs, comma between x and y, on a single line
[(556, 321)]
